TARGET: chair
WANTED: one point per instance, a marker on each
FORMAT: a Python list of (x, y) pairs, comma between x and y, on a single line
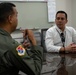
[(38, 37), (43, 33)]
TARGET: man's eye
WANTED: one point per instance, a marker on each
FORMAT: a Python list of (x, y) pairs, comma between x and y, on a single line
[(60, 18)]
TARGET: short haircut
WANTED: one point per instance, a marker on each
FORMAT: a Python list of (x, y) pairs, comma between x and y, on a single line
[(62, 12), (6, 9)]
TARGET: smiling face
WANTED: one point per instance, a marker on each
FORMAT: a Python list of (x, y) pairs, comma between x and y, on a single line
[(61, 20)]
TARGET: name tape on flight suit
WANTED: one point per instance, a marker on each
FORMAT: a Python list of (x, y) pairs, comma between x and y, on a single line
[(21, 51)]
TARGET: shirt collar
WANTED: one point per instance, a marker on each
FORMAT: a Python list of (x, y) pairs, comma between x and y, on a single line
[(60, 30), (3, 32)]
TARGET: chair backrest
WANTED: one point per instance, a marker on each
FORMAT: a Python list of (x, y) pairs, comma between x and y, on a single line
[(38, 37), (43, 33)]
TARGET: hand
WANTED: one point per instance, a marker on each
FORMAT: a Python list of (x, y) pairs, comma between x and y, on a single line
[(28, 33), (26, 44), (71, 48)]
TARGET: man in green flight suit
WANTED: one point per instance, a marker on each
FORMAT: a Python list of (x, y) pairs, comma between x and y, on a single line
[(14, 57)]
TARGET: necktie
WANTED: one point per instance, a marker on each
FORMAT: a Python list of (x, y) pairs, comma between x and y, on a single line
[(62, 38)]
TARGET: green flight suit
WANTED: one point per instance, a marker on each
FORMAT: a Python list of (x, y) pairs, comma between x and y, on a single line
[(14, 58)]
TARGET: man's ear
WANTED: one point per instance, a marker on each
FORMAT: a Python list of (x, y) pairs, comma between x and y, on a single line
[(10, 19), (66, 21)]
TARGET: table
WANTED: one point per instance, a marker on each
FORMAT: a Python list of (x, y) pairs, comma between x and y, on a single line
[(59, 64)]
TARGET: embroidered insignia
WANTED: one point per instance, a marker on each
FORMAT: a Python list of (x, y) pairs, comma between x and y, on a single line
[(20, 50)]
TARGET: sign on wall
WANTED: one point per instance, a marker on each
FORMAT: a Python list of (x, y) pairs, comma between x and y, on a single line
[(51, 10)]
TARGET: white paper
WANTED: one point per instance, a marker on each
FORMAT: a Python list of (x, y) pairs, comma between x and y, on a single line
[(51, 10)]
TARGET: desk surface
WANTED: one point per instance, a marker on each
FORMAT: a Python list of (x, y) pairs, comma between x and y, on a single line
[(59, 64)]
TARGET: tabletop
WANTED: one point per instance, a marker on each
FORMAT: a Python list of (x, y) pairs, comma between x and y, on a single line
[(59, 64)]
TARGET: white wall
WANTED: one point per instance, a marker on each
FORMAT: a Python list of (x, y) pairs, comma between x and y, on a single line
[(32, 15), (35, 14), (74, 13)]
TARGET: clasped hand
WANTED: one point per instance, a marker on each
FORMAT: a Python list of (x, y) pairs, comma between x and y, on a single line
[(71, 48)]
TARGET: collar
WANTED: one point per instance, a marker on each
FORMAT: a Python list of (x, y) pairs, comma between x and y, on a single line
[(59, 30), (3, 32)]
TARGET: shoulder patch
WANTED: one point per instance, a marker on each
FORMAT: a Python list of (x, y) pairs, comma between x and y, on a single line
[(21, 51)]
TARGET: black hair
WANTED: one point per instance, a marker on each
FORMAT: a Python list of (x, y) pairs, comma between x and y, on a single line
[(62, 12), (6, 9)]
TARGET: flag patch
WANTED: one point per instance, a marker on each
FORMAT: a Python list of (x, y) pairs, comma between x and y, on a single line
[(20, 50)]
